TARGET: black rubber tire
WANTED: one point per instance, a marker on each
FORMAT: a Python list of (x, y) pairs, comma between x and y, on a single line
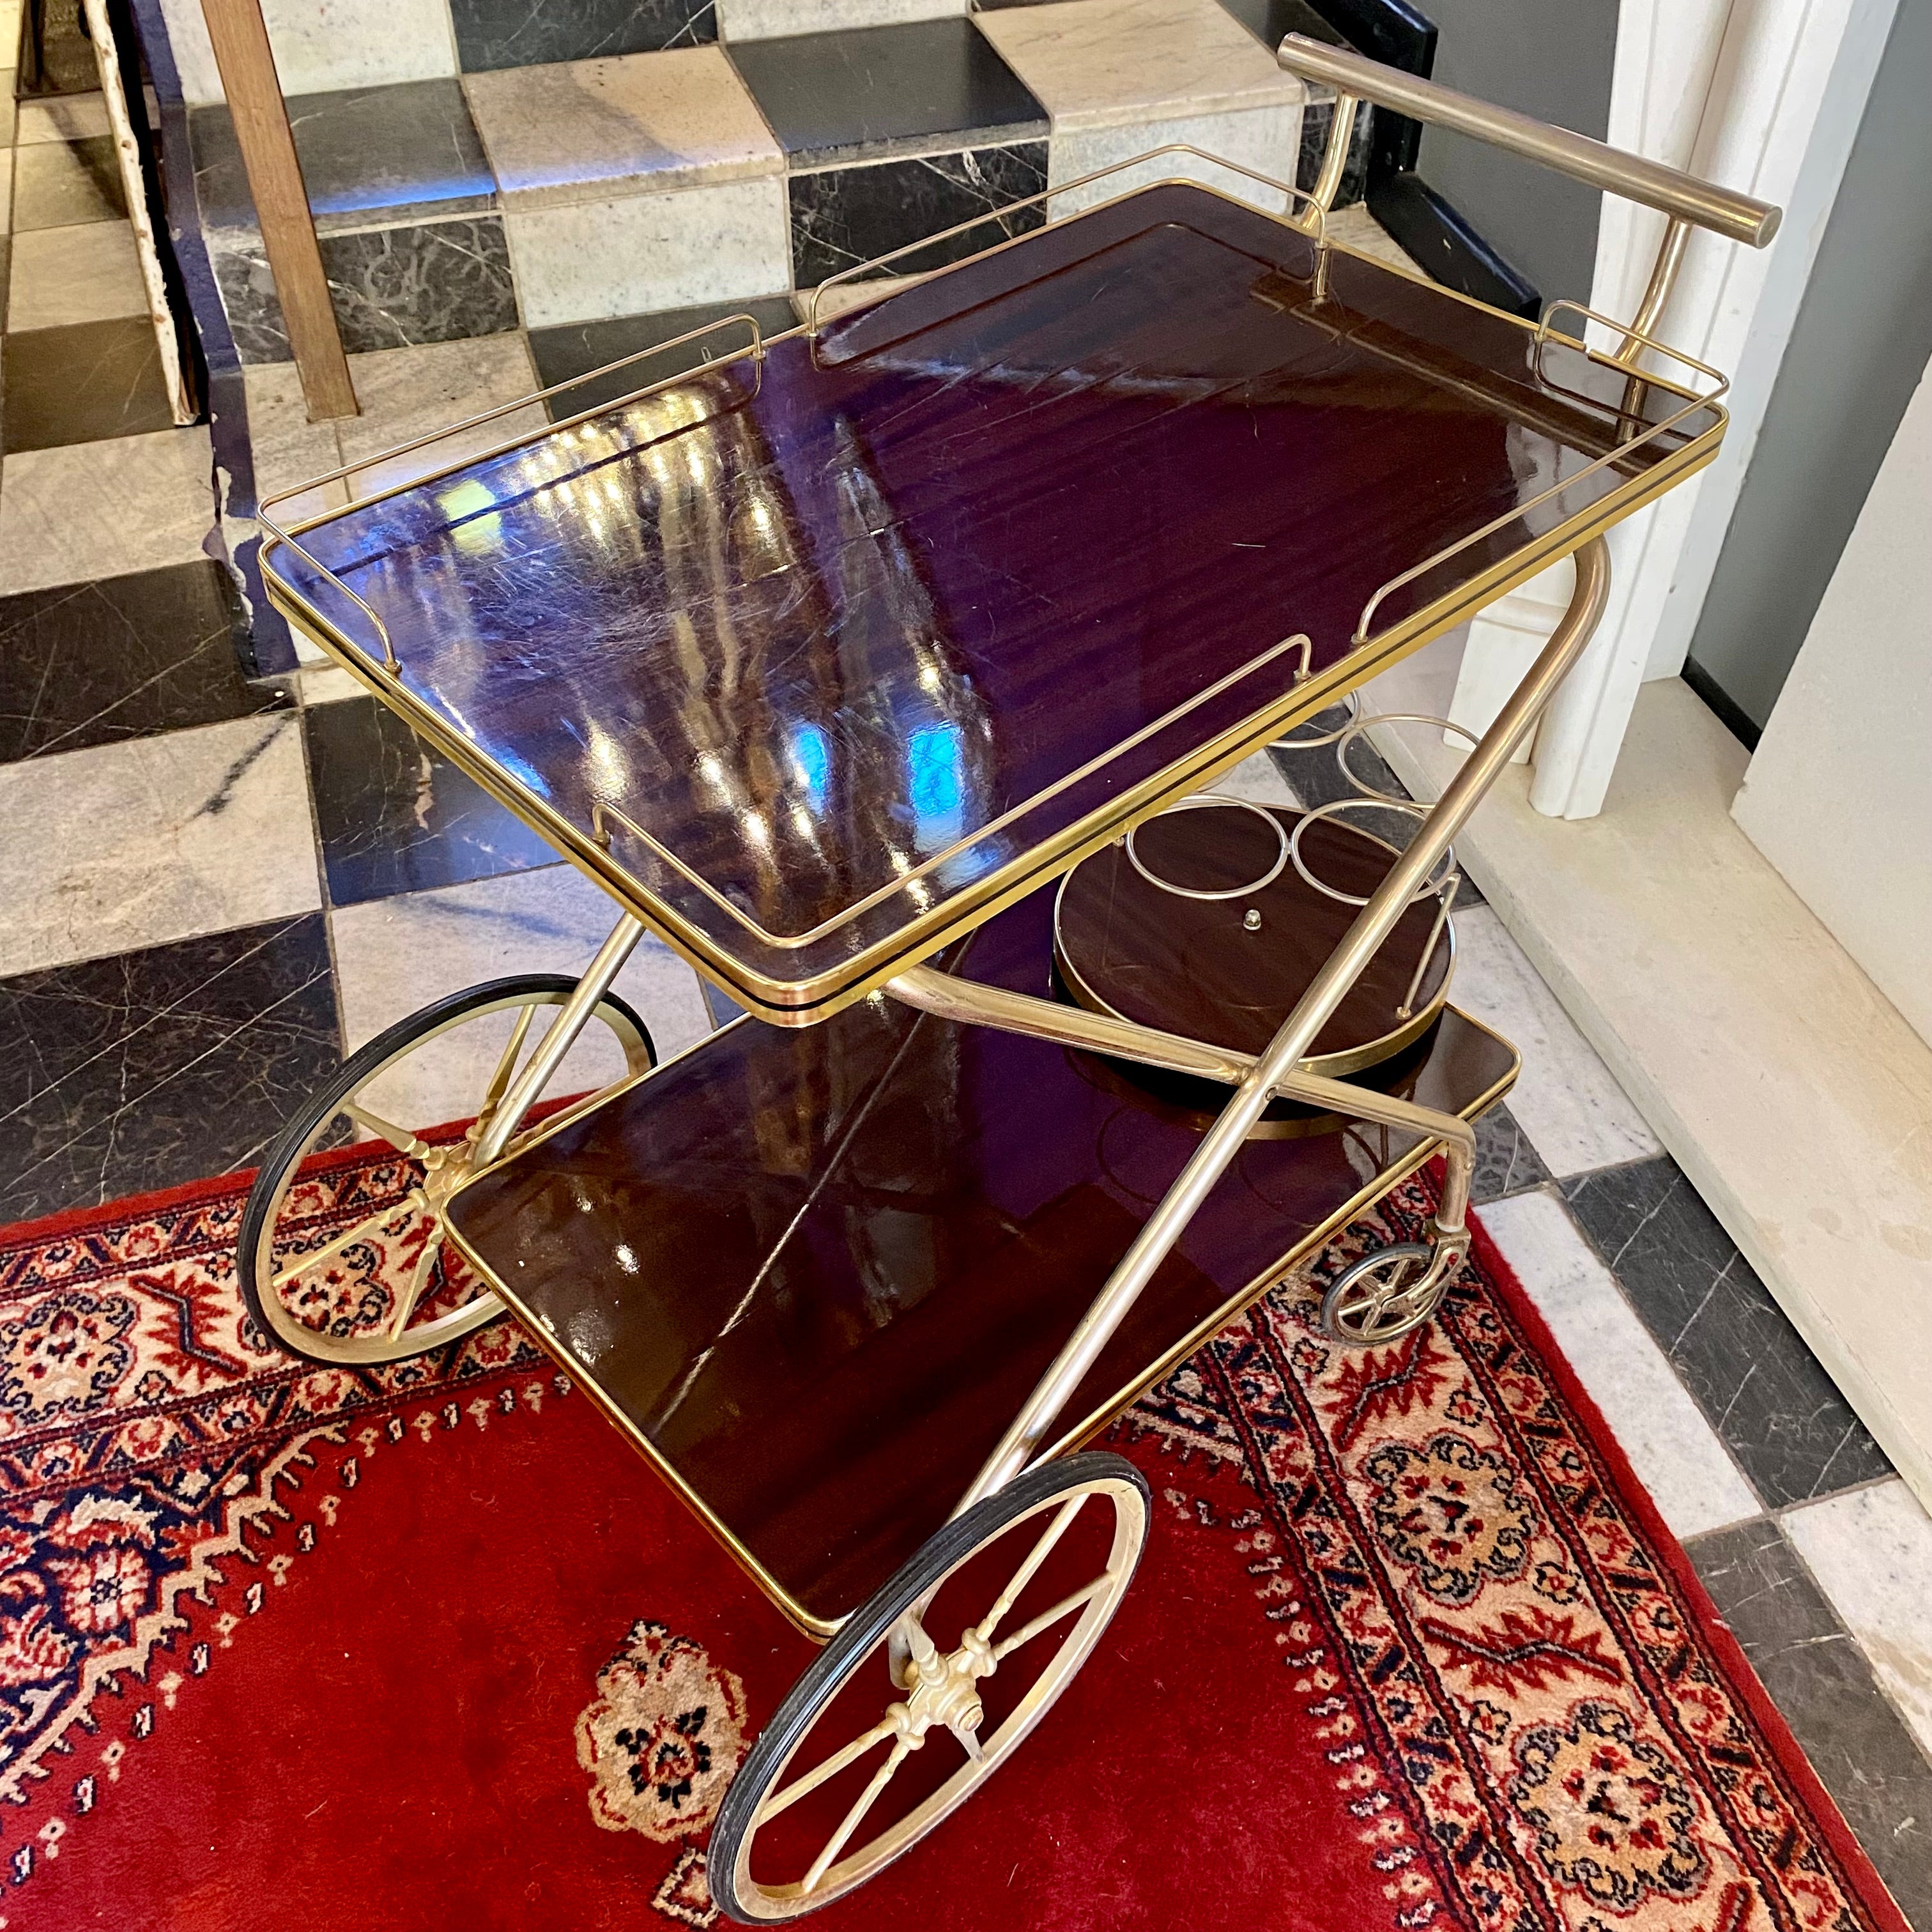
[(864, 1629), (359, 1067)]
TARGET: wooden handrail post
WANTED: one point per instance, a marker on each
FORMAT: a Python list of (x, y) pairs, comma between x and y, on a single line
[(261, 117)]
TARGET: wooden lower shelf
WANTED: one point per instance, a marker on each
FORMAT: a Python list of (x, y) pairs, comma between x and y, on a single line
[(813, 1274)]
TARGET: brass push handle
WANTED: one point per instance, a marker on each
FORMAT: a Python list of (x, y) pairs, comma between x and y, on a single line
[(1681, 196)]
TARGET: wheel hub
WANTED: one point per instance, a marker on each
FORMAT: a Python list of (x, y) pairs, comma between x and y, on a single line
[(945, 1691)]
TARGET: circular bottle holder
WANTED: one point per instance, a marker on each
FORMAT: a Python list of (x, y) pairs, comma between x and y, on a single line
[(1199, 801), (1431, 887)]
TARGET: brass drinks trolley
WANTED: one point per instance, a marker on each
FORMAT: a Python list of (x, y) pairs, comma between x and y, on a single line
[(827, 659)]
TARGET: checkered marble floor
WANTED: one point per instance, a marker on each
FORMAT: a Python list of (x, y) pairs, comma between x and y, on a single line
[(215, 888)]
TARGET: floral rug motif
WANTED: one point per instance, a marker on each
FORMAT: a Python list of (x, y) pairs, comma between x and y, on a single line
[(1440, 1664)]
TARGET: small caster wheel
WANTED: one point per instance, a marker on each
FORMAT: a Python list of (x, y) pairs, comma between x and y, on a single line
[(1021, 1586), (321, 1293), (1383, 1295)]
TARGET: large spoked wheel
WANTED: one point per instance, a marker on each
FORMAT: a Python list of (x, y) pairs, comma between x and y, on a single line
[(929, 1687), (383, 1287)]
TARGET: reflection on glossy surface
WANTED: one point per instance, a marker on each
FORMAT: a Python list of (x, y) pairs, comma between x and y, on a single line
[(820, 1270), (812, 621)]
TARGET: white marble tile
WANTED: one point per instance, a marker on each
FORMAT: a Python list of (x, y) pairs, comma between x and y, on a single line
[(1258, 778), (320, 45), (288, 447), (648, 252), (1101, 63), (766, 19), (1566, 1100), (1871, 1552), (155, 839), (406, 393), (1677, 1455), (394, 956), (193, 52), (62, 275), (1266, 139), (587, 130), (101, 509)]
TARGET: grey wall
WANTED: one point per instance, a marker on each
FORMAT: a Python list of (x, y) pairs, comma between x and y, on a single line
[(1552, 61), (1863, 336)]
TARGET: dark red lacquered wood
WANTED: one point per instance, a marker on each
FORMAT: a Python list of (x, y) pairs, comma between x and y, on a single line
[(812, 621), (820, 1270)]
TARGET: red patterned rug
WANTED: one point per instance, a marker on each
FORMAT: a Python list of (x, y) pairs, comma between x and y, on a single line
[(392, 1649)]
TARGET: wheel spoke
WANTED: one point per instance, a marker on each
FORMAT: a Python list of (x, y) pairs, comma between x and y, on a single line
[(347, 1239), (1038, 1555), (405, 1302), (506, 1065), (783, 1800), (1047, 1619), (850, 1821), (400, 1138)]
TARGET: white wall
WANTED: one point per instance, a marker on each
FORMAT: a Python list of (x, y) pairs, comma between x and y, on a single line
[(1839, 796)]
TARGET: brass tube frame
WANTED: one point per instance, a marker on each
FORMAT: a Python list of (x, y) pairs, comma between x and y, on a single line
[(1739, 217), (571, 1018), (1272, 1073)]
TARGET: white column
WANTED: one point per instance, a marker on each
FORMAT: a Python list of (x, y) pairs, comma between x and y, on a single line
[(1763, 95)]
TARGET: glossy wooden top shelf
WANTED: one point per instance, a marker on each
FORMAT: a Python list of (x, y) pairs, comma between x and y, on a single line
[(815, 619)]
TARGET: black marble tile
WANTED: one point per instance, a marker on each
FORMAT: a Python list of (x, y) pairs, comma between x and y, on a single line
[(1765, 1392), (152, 1068), (123, 657), (83, 383), (395, 816), (840, 217), (1506, 1163), (1316, 119), (1315, 775), (1823, 1687), (391, 287), (577, 347), (867, 92), (515, 33), (369, 154)]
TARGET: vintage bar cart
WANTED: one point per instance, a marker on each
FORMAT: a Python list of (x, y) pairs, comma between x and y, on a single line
[(826, 657)]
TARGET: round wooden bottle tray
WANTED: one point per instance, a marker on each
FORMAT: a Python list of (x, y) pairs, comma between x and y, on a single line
[(1222, 948)]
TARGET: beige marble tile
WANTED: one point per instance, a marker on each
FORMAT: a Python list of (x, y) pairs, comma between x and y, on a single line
[(1566, 1100), (10, 119), (1354, 227), (633, 256), (406, 393), (842, 297), (1677, 1455), (394, 956), (1098, 63), (155, 839), (1871, 1552), (193, 52), (766, 19), (1257, 778), (61, 275), (288, 447), (329, 684), (586, 130), (1265, 140), (100, 509), (6, 191), (58, 186), (69, 117)]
